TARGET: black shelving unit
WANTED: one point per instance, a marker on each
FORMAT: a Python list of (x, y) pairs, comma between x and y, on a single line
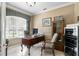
[(70, 43)]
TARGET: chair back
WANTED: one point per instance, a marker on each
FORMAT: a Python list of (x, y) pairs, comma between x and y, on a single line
[(54, 37)]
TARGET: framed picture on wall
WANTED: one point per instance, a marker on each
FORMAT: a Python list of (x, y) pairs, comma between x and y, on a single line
[(46, 21)]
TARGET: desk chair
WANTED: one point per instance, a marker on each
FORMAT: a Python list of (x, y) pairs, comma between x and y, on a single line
[(50, 44)]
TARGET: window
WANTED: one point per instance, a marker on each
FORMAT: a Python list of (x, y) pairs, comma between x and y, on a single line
[(15, 27)]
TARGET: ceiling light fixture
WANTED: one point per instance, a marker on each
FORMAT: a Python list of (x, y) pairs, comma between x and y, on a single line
[(31, 4)]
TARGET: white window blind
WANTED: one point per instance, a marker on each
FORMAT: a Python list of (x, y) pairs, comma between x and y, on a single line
[(15, 27)]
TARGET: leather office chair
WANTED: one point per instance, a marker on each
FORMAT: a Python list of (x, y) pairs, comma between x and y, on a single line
[(50, 44)]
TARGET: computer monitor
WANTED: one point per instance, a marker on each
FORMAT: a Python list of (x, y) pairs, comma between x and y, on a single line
[(35, 30)]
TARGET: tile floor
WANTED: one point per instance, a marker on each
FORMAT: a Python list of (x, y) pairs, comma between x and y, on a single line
[(35, 51)]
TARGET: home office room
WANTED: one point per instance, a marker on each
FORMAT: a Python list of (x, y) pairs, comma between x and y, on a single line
[(39, 28)]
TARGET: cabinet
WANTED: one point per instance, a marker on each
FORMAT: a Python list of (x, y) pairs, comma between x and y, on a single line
[(71, 40), (58, 27), (59, 46)]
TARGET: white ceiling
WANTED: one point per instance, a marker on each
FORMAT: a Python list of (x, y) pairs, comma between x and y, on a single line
[(38, 8)]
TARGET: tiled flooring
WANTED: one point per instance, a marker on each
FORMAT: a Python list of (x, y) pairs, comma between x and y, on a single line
[(35, 51)]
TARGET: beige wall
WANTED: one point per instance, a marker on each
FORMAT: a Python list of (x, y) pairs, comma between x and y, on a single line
[(76, 10), (67, 12)]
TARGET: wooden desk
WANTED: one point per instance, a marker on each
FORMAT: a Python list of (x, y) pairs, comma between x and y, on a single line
[(30, 41)]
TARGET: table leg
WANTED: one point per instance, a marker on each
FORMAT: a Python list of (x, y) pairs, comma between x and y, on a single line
[(43, 47), (21, 47), (7, 46), (53, 50), (28, 50), (6, 50)]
